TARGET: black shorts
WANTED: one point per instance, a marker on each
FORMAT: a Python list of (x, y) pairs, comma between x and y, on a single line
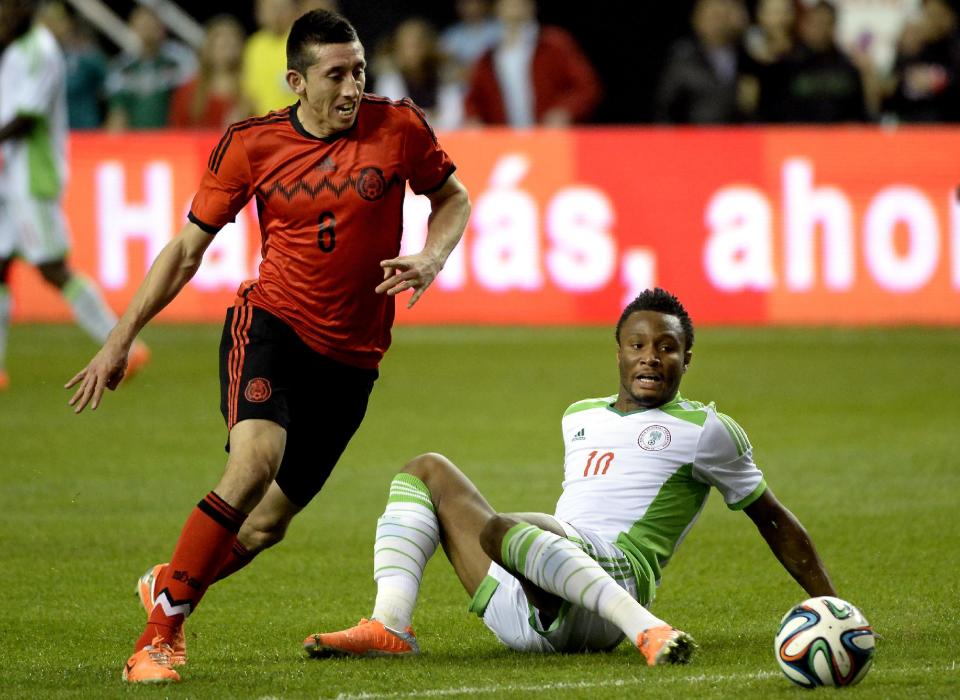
[(267, 372)]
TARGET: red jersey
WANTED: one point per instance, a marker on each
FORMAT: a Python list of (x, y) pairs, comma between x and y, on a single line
[(330, 210)]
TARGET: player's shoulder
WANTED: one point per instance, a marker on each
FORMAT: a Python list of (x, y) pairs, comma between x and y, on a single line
[(402, 107), (689, 410), (385, 109), (254, 132), (276, 120), (599, 403), (37, 43), (716, 424)]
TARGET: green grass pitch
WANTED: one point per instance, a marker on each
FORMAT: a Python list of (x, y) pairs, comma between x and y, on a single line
[(855, 430)]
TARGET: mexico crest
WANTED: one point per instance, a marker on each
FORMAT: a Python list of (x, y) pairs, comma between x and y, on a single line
[(371, 184), (258, 390)]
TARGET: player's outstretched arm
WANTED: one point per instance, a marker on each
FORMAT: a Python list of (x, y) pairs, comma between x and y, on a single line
[(449, 211), (173, 268), (791, 544)]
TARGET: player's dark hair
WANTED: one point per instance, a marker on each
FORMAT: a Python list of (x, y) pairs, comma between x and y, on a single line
[(661, 301), (316, 27)]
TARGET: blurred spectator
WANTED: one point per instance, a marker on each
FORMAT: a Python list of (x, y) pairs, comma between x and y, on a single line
[(476, 32), (774, 34), (86, 66), (771, 38), (816, 82), (414, 67), (925, 84), (699, 84), (265, 57), (213, 99), (139, 87), (535, 75), (868, 30)]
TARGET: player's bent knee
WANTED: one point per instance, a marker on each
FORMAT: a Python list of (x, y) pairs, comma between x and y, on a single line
[(262, 464), (247, 478), (428, 467)]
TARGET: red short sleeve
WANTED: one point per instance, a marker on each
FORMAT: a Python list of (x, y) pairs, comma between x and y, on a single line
[(430, 166), (226, 186)]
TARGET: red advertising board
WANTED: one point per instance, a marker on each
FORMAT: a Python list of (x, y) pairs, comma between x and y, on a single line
[(751, 225)]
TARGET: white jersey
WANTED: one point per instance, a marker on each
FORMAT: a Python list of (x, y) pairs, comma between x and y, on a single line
[(33, 82), (641, 479)]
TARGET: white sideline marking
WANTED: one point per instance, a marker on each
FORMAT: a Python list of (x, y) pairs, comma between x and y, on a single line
[(585, 685), (563, 685)]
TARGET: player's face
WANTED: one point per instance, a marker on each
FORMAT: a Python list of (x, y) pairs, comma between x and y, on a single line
[(652, 358), (331, 89)]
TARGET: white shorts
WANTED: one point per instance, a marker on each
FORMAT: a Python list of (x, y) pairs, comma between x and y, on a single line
[(33, 229), (515, 623)]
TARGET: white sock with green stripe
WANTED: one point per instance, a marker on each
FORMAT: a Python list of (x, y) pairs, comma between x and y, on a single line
[(89, 308), (559, 566), (5, 305), (407, 536)]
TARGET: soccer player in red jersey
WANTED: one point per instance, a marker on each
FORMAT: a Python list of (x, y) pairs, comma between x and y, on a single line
[(301, 344)]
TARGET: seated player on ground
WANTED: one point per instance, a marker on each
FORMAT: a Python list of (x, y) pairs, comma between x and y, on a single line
[(637, 472)]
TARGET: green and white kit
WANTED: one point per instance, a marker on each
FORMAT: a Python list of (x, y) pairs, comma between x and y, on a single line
[(634, 484), (34, 169)]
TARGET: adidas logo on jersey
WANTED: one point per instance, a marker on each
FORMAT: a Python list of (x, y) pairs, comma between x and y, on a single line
[(581, 435), (327, 165)]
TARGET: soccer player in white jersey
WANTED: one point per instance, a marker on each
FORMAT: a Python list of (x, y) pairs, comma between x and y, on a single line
[(33, 134), (637, 472)]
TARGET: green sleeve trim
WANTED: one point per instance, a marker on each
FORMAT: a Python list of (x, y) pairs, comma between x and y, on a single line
[(754, 495), (587, 404), (481, 598), (737, 434)]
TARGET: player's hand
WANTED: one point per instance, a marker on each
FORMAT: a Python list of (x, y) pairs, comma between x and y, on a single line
[(104, 371), (415, 272)]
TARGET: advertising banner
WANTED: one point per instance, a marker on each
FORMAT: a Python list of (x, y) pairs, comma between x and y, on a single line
[(839, 226)]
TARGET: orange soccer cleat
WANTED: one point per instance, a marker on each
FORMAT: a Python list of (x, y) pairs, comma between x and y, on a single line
[(151, 664), (4, 380), (368, 638), (146, 589), (665, 645)]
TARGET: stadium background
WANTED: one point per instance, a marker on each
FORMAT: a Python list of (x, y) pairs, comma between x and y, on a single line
[(628, 53), (838, 225)]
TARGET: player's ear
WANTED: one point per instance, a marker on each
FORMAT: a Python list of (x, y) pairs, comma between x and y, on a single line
[(687, 357), (297, 82)]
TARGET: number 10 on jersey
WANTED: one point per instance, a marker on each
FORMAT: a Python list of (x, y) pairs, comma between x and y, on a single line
[(600, 466)]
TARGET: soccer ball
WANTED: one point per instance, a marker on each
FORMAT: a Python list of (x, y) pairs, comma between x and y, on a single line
[(824, 641)]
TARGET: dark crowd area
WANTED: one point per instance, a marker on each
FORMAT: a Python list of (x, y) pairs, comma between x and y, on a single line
[(523, 63)]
